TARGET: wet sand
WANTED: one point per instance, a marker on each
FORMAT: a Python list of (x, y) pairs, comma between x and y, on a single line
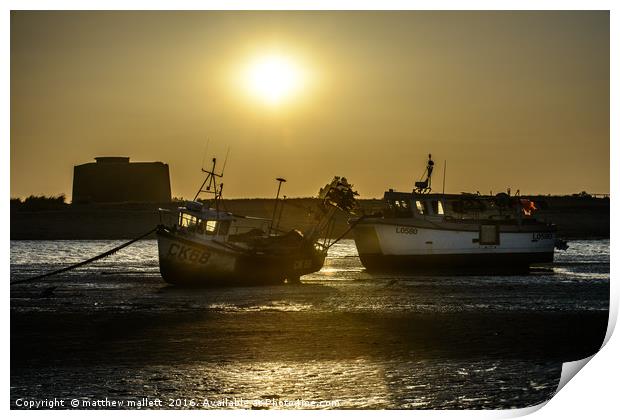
[(137, 338), (186, 352)]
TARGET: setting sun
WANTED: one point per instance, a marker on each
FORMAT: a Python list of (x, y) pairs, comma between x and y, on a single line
[(273, 78)]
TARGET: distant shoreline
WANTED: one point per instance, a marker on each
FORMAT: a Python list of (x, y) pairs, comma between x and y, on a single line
[(575, 217)]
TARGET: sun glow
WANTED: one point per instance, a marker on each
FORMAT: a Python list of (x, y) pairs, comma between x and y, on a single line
[(273, 78)]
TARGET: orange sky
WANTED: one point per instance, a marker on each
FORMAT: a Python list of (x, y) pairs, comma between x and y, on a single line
[(517, 99)]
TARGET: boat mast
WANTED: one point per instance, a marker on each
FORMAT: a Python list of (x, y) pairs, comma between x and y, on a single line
[(423, 187), (211, 184), (275, 206), (443, 188), (280, 213)]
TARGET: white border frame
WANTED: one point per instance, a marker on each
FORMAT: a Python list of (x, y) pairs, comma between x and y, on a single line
[(592, 394)]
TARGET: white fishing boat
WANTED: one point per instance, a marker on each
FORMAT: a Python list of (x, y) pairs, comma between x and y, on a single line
[(426, 231), (204, 245)]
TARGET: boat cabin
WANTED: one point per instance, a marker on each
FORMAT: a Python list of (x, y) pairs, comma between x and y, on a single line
[(193, 218), (455, 206), (210, 223), (406, 205)]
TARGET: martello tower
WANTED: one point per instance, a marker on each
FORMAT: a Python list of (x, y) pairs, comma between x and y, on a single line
[(116, 180)]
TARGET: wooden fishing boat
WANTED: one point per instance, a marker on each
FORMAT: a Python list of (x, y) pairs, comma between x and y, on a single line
[(204, 245)]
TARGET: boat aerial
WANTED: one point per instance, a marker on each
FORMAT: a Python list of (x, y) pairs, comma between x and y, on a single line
[(423, 231), (204, 245)]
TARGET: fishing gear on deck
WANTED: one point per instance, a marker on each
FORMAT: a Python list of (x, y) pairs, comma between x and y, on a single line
[(95, 258)]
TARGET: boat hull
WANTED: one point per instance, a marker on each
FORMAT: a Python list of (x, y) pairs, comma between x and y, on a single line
[(454, 263), (186, 262), (406, 246)]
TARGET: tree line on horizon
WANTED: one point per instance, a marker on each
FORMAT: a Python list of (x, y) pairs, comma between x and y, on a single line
[(39, 202), (59, 202)]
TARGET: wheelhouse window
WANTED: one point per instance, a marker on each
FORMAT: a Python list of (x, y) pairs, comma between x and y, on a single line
[(207, 227), (437, 207), (210, 226), (187, 220), (402, 208), (202, 226), (420, 207)]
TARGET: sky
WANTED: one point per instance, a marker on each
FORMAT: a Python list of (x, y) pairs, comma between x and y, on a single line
[(506, 99)]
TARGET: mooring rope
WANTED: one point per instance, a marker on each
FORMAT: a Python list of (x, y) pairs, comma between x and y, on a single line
[(348, 230), (88, 261)]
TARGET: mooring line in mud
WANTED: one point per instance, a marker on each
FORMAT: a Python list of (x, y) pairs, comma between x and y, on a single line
[(88, 261)]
